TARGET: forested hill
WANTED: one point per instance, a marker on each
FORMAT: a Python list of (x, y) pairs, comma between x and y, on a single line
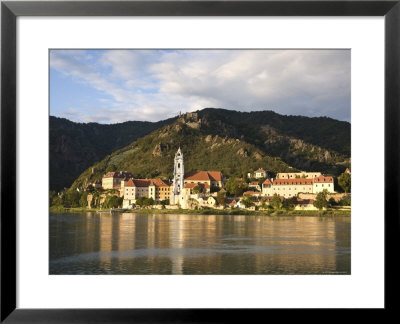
[(234, 143), (259, 126), (76, 146)]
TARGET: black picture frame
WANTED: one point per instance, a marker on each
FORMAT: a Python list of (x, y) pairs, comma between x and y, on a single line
[(10, 10)]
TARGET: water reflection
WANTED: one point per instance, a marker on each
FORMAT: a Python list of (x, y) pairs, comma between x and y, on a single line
[(89, 243)]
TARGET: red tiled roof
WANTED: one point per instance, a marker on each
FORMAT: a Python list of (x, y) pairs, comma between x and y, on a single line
[(215, 175), (142, 182), (254, 183), (197, 175), (159, 183), (146, 183), (204, 176), (260, 170), (323, 180), (129, 183), (137, 183), (298, 181), (267, 182)]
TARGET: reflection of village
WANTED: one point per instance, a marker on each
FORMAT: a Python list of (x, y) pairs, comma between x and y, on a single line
[(207, 189), (198, 243)]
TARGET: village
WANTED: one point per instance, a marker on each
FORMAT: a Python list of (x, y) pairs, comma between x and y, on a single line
[(211, 190)]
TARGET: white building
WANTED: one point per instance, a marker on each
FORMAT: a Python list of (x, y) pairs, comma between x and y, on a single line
[(255, 185), (133, 190), (288, 188), (322, 183), (258, 174), (267, 188)]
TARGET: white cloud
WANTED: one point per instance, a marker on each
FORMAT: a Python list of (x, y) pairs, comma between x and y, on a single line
[(158, 84)]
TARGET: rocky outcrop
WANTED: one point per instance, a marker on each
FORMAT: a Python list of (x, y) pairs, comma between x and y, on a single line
[(242, 152), (158, 149), (257, 156)]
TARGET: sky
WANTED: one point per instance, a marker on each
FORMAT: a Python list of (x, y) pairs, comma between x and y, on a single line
[(112, 86)]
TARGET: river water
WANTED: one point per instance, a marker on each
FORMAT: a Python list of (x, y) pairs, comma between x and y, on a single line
[(90, 243)]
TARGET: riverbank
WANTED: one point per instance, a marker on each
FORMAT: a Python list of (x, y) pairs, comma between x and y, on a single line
[(234, 211)]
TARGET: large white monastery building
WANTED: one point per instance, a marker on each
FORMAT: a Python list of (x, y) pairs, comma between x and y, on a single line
[(288, 187)]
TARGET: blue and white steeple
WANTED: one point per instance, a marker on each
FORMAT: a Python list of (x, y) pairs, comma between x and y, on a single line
[(179, 173)]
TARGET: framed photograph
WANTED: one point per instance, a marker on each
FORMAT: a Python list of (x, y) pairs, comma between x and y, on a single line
[(179, 155)]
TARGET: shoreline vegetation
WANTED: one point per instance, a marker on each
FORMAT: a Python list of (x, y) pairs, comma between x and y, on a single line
[(234, 211)]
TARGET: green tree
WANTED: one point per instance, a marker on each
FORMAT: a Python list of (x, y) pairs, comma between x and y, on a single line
[(52, 195), (276, 202), (215, 189), (321, 201), (247, 201), (58, 200), (83, 200), (235, 187), (72, 198), (95, 200), (344, 181), (332, 202), (164, 202), (221, 198), (113, 202), (142, 201), (264, 205), (345, 201), (111, 168), (197, 189)]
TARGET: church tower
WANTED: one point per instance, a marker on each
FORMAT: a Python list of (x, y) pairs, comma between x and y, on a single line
[(179, 173)]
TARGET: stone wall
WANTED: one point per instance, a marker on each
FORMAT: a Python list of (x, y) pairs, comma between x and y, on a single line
[(336, 196)]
